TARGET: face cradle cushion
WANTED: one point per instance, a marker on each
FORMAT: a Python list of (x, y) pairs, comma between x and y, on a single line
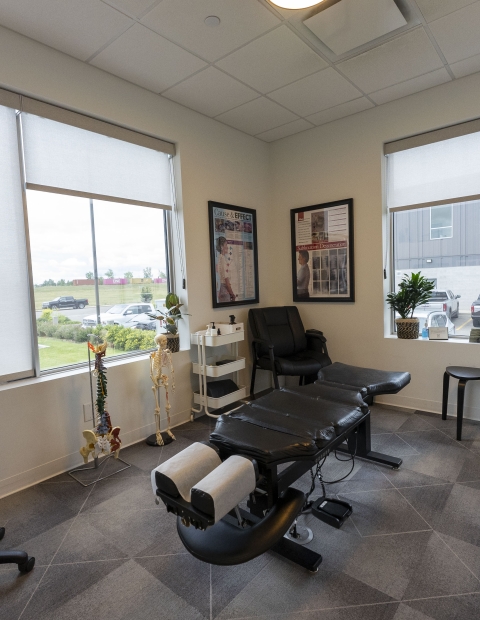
[(374, 381)]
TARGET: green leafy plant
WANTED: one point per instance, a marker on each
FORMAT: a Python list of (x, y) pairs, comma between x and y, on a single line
[(169, 319), (414, 290), (146, 294)]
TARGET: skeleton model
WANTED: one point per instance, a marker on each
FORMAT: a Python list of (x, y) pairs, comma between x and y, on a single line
[(159, 360), (104, 439)]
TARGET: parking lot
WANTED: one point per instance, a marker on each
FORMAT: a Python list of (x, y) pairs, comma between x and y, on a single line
[(76, 314), (463, 324)]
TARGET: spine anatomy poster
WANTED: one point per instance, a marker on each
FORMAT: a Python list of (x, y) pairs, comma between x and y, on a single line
[(233, 250)]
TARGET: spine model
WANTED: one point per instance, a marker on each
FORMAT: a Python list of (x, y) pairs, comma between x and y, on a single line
[(105, 439)]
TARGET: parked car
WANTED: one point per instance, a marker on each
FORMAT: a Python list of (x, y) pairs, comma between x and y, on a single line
[(476, 312), (142, 321), (120, 314), (438, 319), (65, 302), (440, 301)]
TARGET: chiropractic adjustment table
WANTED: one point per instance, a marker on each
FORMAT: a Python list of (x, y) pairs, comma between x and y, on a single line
[(260, 449)]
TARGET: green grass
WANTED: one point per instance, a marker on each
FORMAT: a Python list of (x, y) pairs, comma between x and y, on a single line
[(64, 352), (109, 295)]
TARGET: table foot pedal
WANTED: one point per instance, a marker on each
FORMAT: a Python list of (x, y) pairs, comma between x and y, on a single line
[(334, 512)]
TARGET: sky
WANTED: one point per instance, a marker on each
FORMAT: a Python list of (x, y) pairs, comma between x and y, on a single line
[(128, 237)]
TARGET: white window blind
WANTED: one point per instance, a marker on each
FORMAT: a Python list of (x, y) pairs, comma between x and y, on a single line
[(437, 173), (16, 359), (67, 159)]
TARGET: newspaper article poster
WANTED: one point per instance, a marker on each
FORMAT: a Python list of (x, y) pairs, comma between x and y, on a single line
[(322, 252), (233, 250)]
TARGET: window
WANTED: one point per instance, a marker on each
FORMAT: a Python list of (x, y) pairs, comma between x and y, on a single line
[(83, 227), (441, 222), (433, 189)]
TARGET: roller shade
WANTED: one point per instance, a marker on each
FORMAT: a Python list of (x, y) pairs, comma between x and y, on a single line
[(16, 360), (442, 172), (67, 159)]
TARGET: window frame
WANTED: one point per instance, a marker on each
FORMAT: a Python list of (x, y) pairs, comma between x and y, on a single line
[(167, 221)]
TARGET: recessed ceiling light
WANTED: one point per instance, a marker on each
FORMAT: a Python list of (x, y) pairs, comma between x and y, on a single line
[(212, 20), (295, 4)]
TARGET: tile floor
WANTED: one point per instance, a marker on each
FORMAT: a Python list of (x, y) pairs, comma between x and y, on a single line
[(410, 551)]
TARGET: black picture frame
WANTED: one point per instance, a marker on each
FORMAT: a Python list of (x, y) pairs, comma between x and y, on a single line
[(326, 233), (238, 226)]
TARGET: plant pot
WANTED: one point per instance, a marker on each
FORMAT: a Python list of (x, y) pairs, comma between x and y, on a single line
[(408, 329), (173, 343)]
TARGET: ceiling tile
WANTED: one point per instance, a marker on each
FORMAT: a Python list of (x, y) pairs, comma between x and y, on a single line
[(457, 34), (466, 67), (272, 61), (351, 23), (133, 7), (210, 92), (147, 59), (316, 92), (340, 111), (182, 21), (285, 130), (401, 59), (257, 116), (440, 76), (433, 9), (76, 28)]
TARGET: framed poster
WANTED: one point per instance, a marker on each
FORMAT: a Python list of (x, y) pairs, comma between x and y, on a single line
[(322, 252), (233, 252)]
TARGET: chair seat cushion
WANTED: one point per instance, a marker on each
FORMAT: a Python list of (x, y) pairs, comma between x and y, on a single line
[(303, 363), (374, 381)]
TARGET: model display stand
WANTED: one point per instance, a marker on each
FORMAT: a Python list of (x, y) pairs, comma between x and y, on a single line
[(205, 367), (159, 360), (104, 439)]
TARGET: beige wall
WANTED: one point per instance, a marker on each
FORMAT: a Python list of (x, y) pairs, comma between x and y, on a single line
[(41, 420), (344, 160)]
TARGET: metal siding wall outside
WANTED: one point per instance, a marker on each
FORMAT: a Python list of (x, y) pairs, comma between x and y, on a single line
[(413, 244)]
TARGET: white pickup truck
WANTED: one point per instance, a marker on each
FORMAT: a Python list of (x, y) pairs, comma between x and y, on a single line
[(440, 301)]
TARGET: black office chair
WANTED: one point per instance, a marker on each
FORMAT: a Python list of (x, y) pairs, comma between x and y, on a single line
[(281, 344), (25, 564)]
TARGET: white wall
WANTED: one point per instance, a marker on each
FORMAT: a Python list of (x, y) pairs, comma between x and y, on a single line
[(344, 160), (41, 420)]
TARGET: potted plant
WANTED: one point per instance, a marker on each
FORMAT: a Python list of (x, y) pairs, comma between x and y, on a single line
[(414, 290), (169, 320)]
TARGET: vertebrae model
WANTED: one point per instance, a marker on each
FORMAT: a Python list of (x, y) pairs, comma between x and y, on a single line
[(159, 360), (105, 438)]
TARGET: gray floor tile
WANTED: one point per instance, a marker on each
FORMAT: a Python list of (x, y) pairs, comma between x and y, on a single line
[(183, 575), (392, 444), (384, 611), (121, 533), (451, 608), (449, 509), (383, 512), (285, 588), (468, 553), (16, 590), (118, 494), (105, 590), (387, 420)]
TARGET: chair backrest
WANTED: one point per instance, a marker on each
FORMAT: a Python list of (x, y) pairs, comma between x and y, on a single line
[(282, 326)]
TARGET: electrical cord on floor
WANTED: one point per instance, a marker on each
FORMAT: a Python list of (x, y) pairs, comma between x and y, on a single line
[(318, 474)]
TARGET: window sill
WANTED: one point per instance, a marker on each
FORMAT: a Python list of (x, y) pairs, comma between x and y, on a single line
[(69, 372), (450, 340)]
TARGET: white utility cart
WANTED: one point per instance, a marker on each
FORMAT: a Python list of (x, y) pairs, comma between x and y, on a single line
[(206, 367)]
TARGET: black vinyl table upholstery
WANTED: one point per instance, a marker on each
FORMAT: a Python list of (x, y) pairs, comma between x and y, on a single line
[(289, 423), (368, 379)]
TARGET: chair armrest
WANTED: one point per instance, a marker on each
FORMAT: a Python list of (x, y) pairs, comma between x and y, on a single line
[(315, 333)]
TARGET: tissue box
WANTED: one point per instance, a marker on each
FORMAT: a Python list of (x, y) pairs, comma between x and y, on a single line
[(226, 328)]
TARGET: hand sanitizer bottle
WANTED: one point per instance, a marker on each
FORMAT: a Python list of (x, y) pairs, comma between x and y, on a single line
[(425, 331)]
